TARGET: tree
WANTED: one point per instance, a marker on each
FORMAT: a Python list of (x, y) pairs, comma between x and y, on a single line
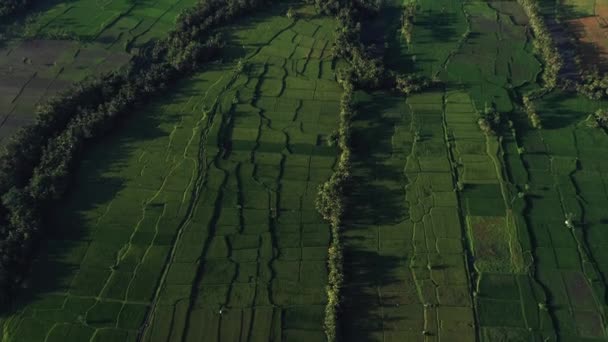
[(407, 21), (291, 13)]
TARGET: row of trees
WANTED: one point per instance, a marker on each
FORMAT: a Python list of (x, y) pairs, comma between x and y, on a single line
[(36, 168), (543, 43), (544, 46), (363, 71)]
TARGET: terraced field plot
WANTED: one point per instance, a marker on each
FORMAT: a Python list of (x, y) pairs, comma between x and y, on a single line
[(197, 218)]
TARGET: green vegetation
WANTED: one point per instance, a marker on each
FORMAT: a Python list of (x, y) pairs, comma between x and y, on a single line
[(309, 171)]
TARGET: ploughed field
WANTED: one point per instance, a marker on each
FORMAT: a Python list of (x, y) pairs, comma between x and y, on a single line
[(195, 220)]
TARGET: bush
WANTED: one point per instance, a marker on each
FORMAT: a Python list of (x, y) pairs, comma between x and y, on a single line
[(599, 119), (531, 112), (490, 121), (409, 84), (593, 85)]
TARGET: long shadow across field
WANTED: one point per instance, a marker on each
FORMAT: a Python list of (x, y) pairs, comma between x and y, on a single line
[(64, 225), (376, 198)]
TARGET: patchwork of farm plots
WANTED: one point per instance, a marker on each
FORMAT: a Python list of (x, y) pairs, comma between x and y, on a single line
[(483, 206), (196, 220), (562, 177), (64, 42)]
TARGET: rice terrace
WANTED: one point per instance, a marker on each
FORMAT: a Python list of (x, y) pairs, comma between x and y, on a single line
[(303, 170)]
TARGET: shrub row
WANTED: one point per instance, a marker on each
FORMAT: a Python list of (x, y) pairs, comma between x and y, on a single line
[(36, 167)]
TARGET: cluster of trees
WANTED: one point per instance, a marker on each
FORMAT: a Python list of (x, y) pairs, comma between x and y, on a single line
[(490, 121), (599, 119), (36, 167), (531, 112), (12, 7), (593, 85)]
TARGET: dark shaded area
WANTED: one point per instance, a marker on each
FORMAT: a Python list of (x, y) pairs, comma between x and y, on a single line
[(90, 188), (371, 202)]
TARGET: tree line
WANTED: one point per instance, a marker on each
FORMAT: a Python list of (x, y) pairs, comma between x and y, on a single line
[(38, 161), (363, 71), (545, 48)]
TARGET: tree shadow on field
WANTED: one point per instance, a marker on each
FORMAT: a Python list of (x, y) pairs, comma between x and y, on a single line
[(68, 226), (440, 25), (234, 48), (375, 197), (556, 113)]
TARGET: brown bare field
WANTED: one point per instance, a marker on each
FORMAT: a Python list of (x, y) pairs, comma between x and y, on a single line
[(592, 34)]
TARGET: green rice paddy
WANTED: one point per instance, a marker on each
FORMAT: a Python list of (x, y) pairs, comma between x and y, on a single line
[(196, 220)]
